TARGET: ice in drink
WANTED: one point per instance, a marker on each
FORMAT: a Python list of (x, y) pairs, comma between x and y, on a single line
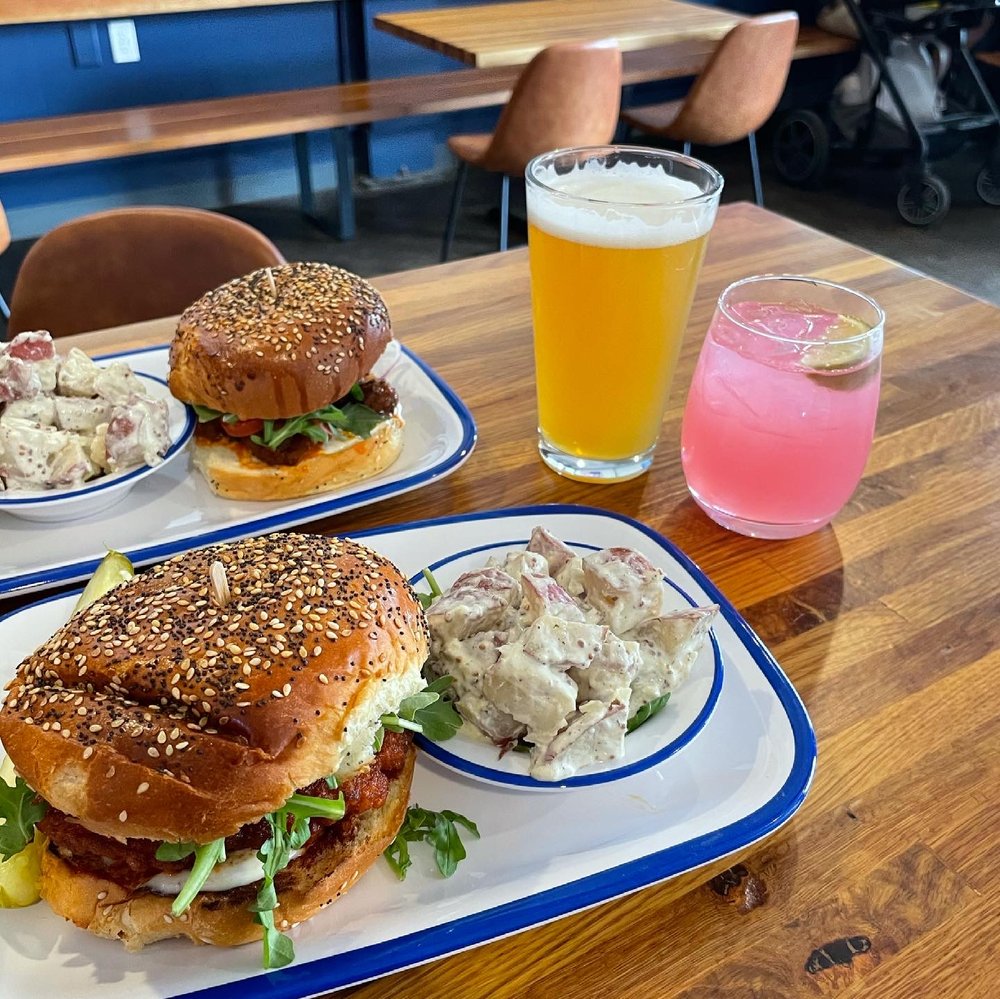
[(780, 415), (615, 253)]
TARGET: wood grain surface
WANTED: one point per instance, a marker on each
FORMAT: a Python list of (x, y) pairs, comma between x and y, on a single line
[(40, 11), (83, 138), (506, 34), (888, 623)]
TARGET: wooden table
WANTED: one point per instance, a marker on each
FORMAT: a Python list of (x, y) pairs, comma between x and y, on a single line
[(888, 623), (33, 12), (511, 33)]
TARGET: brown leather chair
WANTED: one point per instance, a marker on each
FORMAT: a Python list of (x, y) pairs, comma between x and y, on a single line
[(734, 94), (4, 243), (130, 264), (568, 95)]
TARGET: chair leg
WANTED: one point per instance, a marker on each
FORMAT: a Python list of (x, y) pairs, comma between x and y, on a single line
[(456, 204), (303, 167), (504, 210), (758, 190), (687, 149)]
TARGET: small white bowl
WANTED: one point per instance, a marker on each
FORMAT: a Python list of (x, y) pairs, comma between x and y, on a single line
[(52, 505)]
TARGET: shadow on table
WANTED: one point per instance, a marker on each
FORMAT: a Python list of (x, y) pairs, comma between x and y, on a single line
[(790, 592)]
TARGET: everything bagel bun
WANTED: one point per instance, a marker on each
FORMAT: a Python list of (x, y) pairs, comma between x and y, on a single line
[(307, 885), (199, 695), (279, 342), (237, 474)]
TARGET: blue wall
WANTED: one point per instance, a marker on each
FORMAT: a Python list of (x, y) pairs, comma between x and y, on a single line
[(198, 55), (412, 144), (183, 57)]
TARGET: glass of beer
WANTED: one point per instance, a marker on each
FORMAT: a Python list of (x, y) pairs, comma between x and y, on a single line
[(616, 236)]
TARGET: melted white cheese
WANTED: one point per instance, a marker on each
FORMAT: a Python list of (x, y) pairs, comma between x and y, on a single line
[(240, 868)]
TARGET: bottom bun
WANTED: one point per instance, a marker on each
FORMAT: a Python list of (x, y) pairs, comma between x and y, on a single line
[(309, 883), (232, 470)]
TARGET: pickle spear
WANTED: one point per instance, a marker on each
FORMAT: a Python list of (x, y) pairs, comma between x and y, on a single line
[(19, 875), (115, 568)]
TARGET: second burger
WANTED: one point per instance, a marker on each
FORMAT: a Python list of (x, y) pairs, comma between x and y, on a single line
[(277, 365)]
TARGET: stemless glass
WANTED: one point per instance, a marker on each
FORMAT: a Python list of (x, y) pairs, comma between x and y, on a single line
[(780, 416), (616, 236)]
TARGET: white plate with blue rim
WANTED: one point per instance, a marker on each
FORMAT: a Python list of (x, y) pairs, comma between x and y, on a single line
[(683, 716), (174, 510), (104, 491), (540, 856)]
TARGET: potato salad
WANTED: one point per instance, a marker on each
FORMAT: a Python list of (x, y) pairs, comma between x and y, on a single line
[(64, 421), (557, 651)]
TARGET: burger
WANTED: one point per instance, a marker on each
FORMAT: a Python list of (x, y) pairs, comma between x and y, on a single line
[(277, 365), (211, 743)]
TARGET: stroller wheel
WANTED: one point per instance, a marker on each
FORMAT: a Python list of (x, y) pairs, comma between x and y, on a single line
[(801, 148), (924, 201), (988, 185)]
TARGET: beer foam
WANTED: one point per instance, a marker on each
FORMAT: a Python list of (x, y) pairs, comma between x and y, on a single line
[(627, 206)]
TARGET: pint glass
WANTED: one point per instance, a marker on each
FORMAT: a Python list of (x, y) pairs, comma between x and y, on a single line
[(616, 237)]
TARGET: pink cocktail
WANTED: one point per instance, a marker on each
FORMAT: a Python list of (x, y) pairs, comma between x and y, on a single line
[(781, 412)]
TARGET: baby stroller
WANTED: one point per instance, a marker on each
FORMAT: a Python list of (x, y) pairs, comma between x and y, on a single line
[(917, 96)]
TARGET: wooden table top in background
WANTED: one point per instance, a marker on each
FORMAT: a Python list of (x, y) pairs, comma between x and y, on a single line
[(40, 11), (888, 624), (508, 34)]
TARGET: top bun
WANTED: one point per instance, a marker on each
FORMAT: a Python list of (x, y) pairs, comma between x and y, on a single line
[(172, 710), (279, 342)]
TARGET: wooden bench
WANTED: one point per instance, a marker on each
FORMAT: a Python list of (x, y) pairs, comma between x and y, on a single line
[(80, 138)]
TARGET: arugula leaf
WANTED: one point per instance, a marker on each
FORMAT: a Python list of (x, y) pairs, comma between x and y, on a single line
[(289, 831), (650, 708), (206, 857), (205, 414), (279, 950), (20, 810), (440, 721), (428, 712), (426, 599), (439, 830), (175, 851), (305, 806), (361, 419), (351, 418), (275, 855)]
